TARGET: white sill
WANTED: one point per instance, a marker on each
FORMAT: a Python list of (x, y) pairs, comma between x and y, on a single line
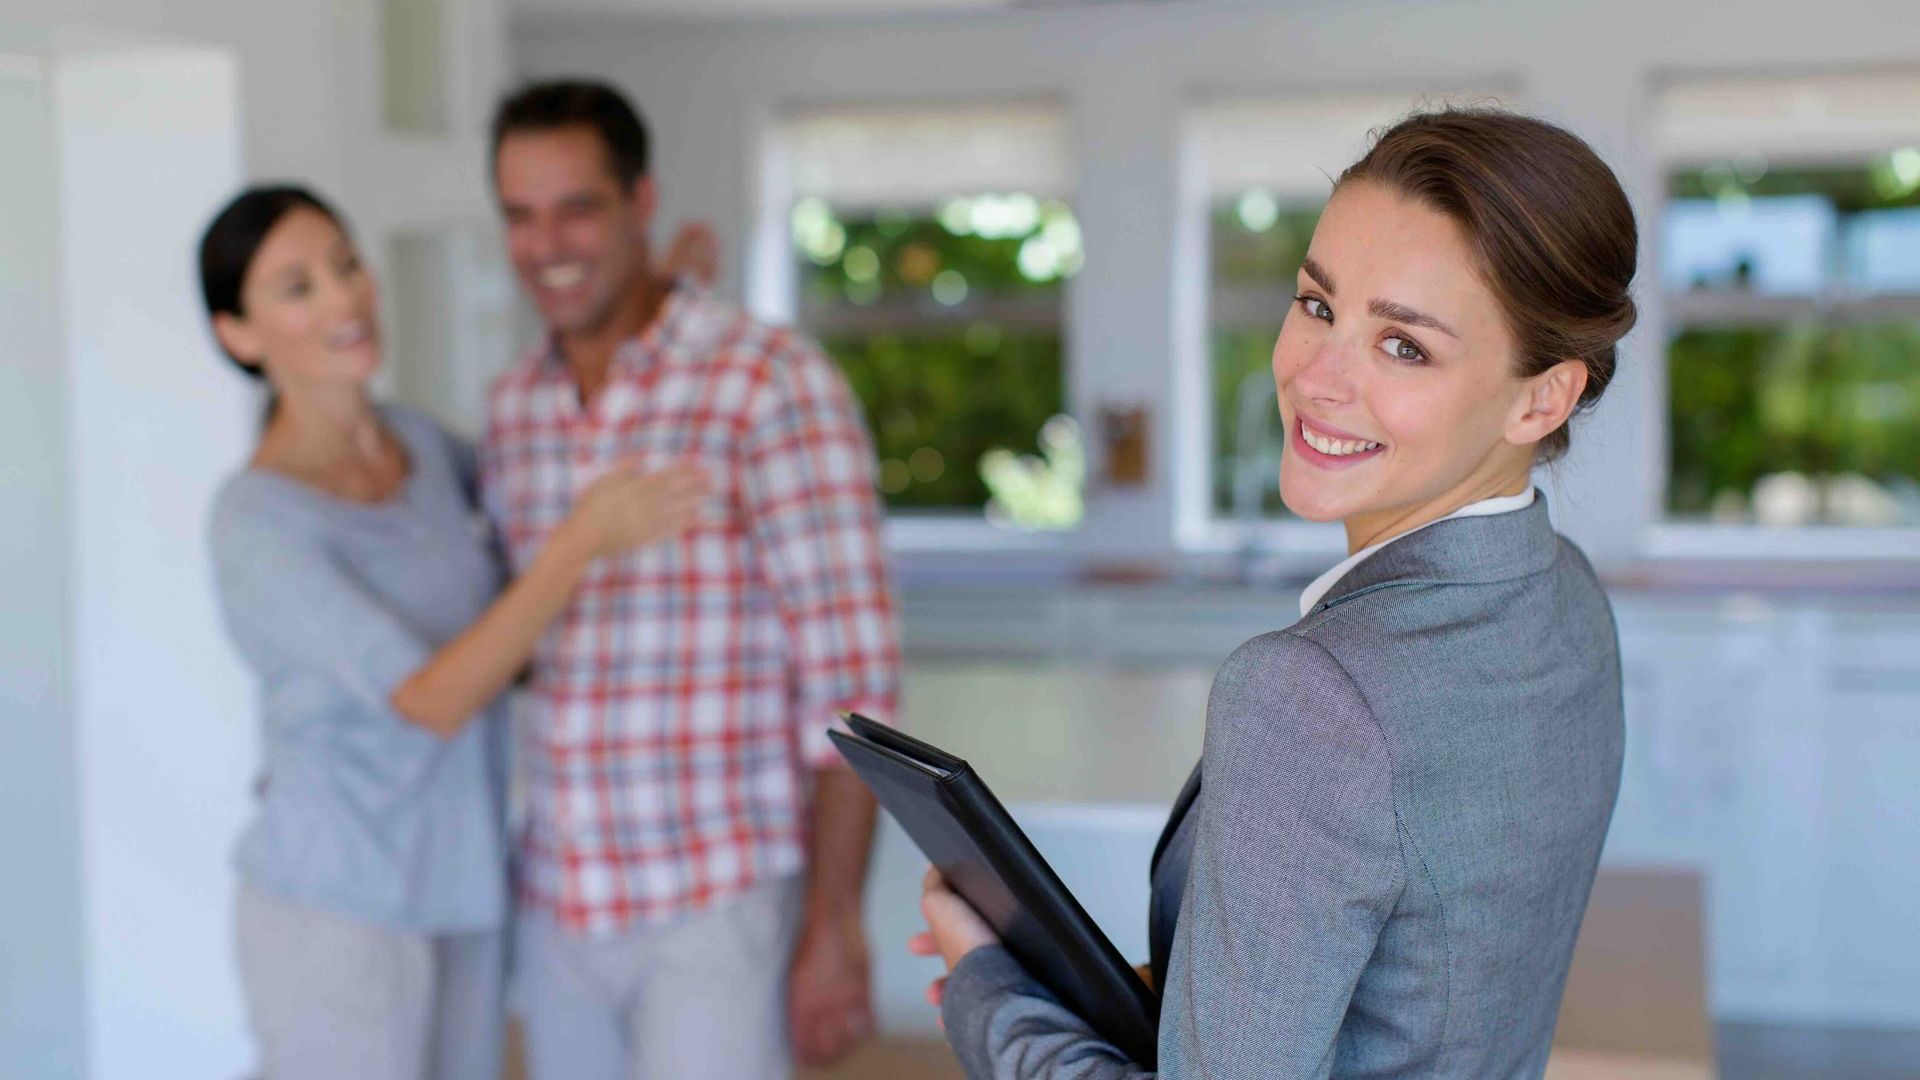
[(1801, 544), (1267, 539), (966, 534)]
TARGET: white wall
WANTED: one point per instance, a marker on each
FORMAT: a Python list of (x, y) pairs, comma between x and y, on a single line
[(160, 708), (127, 750), (287, 65), (1128, 71), (42, 993)]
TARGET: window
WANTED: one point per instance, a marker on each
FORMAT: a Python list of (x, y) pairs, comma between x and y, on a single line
[(1791, 264), (413, 67), (930, 249), (450, 308), (1263, 170)]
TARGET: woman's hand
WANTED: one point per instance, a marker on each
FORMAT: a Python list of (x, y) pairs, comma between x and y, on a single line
[(695, 253), (627, 508), (954, 929)]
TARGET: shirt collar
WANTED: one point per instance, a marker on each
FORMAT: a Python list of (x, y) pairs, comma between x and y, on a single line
[(632, 355), (1499, 504)]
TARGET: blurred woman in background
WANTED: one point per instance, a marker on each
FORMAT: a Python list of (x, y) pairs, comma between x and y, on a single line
[(360, 583)]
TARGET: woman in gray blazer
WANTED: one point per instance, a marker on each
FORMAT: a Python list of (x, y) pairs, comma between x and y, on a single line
[(1380, 865)]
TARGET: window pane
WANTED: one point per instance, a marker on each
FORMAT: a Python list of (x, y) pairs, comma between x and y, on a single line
[(413, 67), (1744, 225), (1257, 237), (1247, 437), (946, 320), (937, 402), (1806, 424), (449, 302), (1257, 243)]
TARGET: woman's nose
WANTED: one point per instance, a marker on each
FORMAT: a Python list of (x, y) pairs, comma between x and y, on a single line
[(1327, 374), (341, 299)]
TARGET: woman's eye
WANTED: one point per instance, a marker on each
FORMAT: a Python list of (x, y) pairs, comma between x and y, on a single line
[(1404, 349), (1315, 308), (298, 289)]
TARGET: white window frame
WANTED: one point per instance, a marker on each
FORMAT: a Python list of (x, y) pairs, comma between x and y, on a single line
[(773, 288), (1843, 120)]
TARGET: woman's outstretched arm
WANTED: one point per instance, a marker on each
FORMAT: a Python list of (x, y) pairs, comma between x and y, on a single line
[(622, 510)]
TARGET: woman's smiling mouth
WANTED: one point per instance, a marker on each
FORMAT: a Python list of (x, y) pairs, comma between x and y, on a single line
[(1331, 449)]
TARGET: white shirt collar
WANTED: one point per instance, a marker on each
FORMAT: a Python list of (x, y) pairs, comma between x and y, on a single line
[(1499, 504)]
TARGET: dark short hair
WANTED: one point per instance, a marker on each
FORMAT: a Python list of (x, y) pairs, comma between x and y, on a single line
[(565, 103), (234, 237), (1553, 231)]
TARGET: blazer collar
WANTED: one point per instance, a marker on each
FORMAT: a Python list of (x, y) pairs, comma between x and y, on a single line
[(1462, 551)]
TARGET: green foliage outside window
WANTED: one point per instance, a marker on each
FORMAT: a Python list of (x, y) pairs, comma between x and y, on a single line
[(939, 402), (1238, 356), (1797, 424), (946, 323), (1255, 239), (1886, 183), (1257, 244), (1815, 418)]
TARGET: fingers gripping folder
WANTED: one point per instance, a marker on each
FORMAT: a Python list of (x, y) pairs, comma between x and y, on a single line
[(971, 839)]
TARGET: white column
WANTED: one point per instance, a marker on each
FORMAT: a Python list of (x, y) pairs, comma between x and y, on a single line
[(148, 144), (1120, 325), (42, 1003)]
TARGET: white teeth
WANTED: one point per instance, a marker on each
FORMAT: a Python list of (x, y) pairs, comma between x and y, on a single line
[(563, 276), (1335, 447)]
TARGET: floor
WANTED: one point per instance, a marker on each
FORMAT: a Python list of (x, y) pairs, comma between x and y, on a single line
[(1746, 1052)]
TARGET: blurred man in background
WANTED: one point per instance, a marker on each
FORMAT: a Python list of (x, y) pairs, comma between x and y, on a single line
[(693, 858)]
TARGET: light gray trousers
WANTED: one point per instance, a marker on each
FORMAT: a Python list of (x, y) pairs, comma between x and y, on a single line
[(701, 997), (333, 998)]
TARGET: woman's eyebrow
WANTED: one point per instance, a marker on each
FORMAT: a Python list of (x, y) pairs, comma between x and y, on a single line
[(1318, 273), (1388, 309)]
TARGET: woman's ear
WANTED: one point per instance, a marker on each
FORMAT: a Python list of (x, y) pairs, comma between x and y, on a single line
[(1546, 401), (237, 338)]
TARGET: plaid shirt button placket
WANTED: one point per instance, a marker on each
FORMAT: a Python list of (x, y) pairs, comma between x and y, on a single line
[(679, 699)]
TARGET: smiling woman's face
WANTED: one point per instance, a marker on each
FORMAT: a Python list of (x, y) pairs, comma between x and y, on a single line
[(1396, 372), (311, 314)]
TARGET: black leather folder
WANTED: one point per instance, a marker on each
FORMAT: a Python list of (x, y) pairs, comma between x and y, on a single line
[(984, 856)]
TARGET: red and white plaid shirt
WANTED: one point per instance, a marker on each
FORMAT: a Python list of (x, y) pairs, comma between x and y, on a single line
[(679, 701)]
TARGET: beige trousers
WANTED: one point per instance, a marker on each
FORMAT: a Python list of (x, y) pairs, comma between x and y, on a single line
[(333, 998), (700, 998)]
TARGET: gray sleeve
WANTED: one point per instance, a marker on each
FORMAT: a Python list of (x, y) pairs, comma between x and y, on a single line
[(1296, 867), (290, 606), (460, 458)]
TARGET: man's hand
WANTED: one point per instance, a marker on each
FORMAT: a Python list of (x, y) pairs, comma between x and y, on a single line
[(829, 1001)]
